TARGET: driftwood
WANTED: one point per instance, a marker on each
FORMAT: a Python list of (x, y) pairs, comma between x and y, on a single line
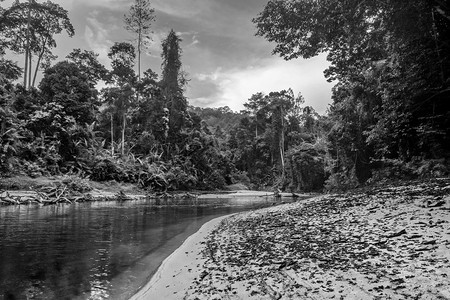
[(49, 195)]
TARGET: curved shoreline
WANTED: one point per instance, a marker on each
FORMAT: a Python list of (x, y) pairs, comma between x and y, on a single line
[(390, 242), (177, 272)]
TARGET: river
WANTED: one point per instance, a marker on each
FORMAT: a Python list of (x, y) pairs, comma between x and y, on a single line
[(98, 250)]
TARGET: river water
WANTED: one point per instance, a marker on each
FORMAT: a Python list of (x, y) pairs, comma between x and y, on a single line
[(98, 250)]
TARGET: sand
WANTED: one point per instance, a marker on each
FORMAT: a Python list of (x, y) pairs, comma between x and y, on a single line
[(392, 242), (178, 271)]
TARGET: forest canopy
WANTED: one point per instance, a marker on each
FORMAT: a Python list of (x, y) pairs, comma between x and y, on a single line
[(390, 60), (389, 117)]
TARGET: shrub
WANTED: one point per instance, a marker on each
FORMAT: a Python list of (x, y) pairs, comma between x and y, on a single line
[(306, 166), (341, 182), (214, 180), (432, 168), (153, 176), (401, 170), (181, 179), (240, 177), (105, 170), (76, 184)]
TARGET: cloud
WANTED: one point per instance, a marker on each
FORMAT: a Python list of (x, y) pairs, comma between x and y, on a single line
[(182, 9), (66, 4), (154, 44), (211, 76), (235, 86), (96, 36), (191, 36), (121, 5), (154, 48), (226, 62)]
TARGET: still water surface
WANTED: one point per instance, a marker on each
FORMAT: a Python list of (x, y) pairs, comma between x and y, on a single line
[(97, 250)]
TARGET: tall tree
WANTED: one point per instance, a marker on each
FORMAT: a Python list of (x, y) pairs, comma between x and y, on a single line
[(65, 85), (280, 103), (275, 118), (87, 62), (118, 100), (138, 21), (150, 117), (30, 29), (122, 57), (256, 106), (391, 59), (173, 82)]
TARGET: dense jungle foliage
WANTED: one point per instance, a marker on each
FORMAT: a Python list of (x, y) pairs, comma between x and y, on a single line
[(389, 118)]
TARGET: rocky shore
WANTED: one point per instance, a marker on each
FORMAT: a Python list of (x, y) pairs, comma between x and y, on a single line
[(389, 242)]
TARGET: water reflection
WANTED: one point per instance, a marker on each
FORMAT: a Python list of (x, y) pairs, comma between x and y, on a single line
[(96, 250)]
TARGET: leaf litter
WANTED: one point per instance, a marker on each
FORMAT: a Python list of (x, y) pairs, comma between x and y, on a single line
[(390, 242)]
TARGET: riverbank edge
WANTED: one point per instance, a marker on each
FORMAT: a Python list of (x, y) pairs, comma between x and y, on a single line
[(181, 268), (177, 272), (24, 190), (27, 197), (386, 242), (407, 228)]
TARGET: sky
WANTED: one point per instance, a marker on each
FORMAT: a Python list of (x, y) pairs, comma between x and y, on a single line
[(225, 62)]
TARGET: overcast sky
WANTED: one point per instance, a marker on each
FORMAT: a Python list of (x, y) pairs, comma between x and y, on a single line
[(226, 63)]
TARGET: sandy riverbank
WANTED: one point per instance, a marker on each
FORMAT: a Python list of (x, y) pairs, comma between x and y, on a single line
[(386, 243), (181, 268)]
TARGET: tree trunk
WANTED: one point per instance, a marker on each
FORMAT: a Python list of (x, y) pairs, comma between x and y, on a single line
[(112, 135), (139, 61), (123, 133), (29, 69), (25, 70), (139, 53), (38, 63), (282, 159), (27, 47), (282, 142), (256, 127), (438, 53)]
